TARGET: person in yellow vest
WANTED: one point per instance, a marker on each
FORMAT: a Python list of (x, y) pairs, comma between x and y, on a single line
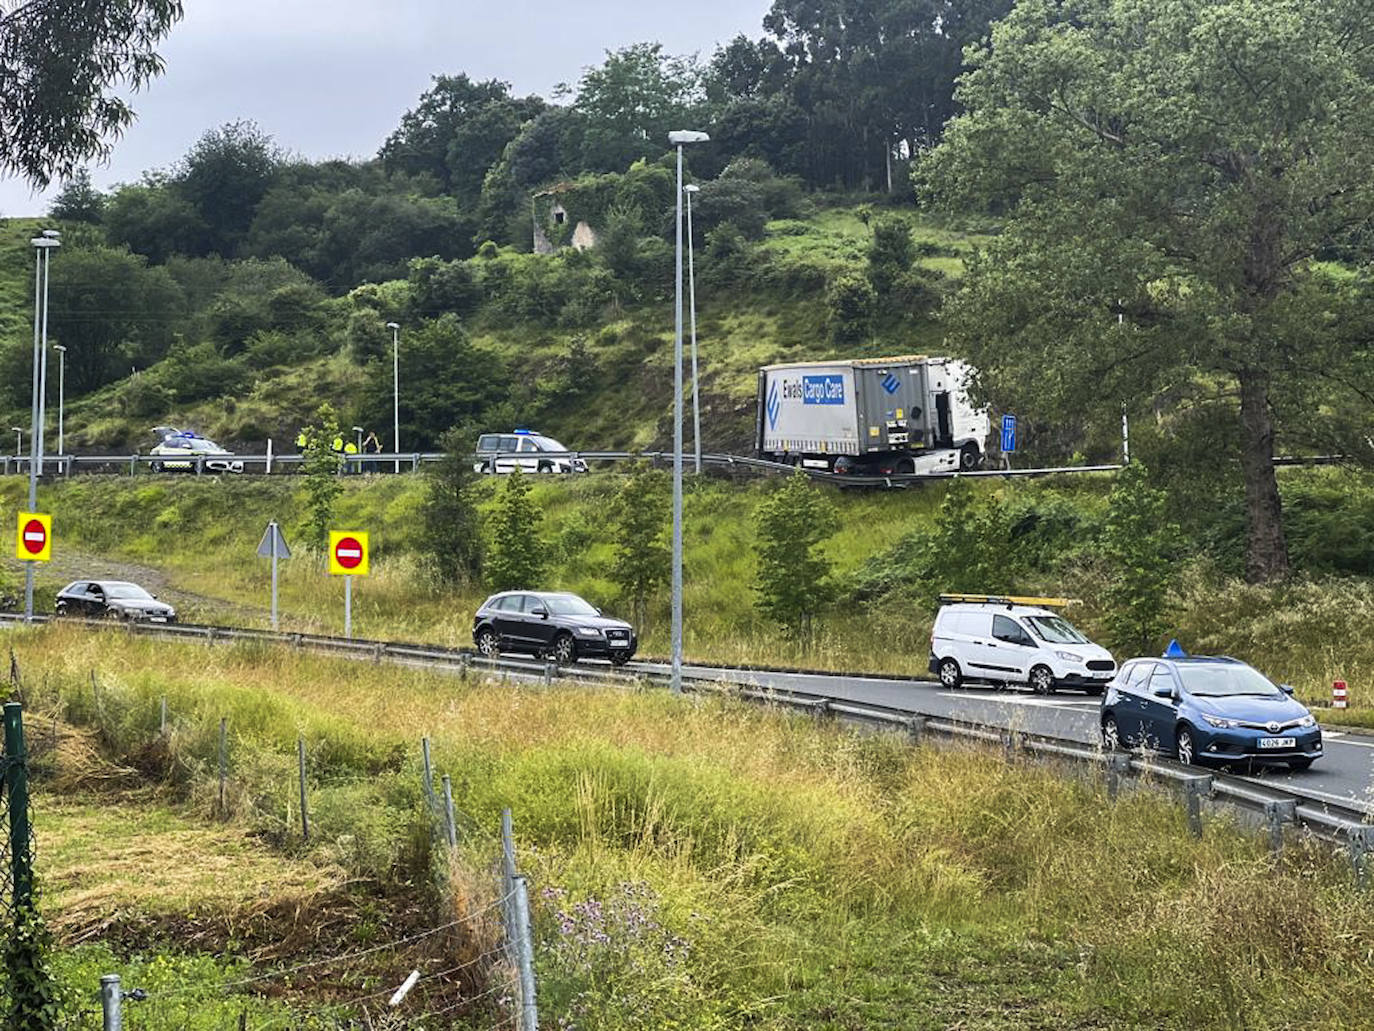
[(302, 441), (351, 449)]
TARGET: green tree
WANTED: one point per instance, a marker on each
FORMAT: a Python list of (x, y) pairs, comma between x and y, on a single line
[(971, 550), (793, 581), (452, 536), (643, 561), (60, 60), (631, 102), (890, 255), (515, 555), (850, 302), (225, 177), (1138, 543), (1183, 164), (78, 200), (321, 474)]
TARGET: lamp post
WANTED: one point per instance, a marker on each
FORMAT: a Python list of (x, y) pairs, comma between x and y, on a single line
[(690, 189), (679, 139), (395, 328), (61, 394), (43, 246)]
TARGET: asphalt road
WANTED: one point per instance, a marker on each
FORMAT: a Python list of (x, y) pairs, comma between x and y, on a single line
[(1344, 775)]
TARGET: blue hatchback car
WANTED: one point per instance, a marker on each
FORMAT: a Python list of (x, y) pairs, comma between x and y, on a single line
[(1205, 709)]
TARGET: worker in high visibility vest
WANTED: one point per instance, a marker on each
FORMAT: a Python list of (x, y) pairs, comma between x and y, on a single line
[(350, 449), (302, 440)]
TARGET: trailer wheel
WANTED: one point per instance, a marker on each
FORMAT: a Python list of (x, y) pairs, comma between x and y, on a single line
[(969, 457), (905, 467)]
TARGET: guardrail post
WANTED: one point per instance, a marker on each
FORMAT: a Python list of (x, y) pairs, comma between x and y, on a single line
[(916, 729), (1118, 765), (223, 763), (548, 674), (464, 665), (133, 464), (162, 718), (111, 1003), (1193, 790), (1359, 839), (377, 652), (305, 812), (1276, 814)]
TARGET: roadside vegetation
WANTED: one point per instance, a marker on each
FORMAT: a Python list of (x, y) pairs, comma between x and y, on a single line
[(697, 863)]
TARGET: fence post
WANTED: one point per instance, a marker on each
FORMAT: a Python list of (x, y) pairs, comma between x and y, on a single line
[(508, 878), (17, 789), (450, 823), (111, 1002), (162, 718), (429, 775), (223, 763), (305, 815), (529, 1010)]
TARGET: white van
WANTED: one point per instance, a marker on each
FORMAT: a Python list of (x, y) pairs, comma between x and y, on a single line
[(1014, 641)]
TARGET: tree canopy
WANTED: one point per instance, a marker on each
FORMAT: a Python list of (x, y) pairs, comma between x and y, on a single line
[(1172, 173)]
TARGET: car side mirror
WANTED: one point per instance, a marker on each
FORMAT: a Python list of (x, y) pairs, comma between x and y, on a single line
[(1286, 688), (598, 612), (1163, 692), (542, 613)]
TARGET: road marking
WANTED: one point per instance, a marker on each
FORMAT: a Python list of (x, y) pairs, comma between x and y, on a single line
[(1349, 801), (1338, 735), (1032, 700)]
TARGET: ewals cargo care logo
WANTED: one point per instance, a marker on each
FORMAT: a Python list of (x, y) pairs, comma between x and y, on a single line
[(774, 406), (819, 390)]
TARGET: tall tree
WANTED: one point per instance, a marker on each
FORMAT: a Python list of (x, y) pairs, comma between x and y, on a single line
[(451, 536), (1181, 163), (224, 178), (60, 58), (78, 200), (642, 561), (1137, 542), (794, 573), (515, 557)]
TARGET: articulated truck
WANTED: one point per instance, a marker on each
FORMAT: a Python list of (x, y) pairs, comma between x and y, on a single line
[(871, 416)]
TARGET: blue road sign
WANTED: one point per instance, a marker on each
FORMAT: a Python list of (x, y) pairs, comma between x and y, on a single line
[(1008, 434)]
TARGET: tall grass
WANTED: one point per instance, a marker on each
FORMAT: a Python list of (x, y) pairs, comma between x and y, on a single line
[(702, 864)]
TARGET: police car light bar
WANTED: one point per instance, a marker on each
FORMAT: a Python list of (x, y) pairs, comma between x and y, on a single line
[(1007, 599)]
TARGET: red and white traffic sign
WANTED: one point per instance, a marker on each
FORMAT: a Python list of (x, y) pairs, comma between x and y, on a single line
[(348, 553), (33, 537)]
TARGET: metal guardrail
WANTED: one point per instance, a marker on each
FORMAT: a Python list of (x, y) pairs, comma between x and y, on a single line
[(1349, 825)]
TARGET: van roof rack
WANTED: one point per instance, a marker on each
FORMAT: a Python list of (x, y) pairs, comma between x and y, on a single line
[(1007, 599)]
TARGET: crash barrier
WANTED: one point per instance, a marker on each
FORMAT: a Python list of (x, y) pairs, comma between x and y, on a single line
[(1347, 825)]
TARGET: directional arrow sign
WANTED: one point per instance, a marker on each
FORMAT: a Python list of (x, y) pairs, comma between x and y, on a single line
[(348, 553), (33, 537)]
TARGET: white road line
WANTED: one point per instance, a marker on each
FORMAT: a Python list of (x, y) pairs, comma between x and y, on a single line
[(1343, 741), (1029, 700)]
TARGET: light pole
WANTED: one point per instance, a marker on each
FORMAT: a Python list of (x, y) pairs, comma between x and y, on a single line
[(395, 328), (61, 394), (678, 138), (52, 236), (690, 189), (43, 246)]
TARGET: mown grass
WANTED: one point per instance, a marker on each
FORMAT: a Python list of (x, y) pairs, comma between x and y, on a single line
[(702, 864)]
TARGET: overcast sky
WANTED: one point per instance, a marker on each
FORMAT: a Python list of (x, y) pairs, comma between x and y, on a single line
[(331, 78)]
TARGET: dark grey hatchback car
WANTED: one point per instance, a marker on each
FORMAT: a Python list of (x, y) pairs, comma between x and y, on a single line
[(561, 626)]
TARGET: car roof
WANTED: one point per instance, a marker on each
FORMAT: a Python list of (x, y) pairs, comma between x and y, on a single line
[(1188, 660), (998, 606)]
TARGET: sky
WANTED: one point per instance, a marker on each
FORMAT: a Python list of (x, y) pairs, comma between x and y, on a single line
[(332, 78)]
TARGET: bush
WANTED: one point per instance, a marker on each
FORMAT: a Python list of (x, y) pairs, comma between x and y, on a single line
[(849, 304)]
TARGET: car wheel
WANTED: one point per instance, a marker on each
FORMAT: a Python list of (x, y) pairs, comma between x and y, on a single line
[(487, 643), (155, 467), (1042, 680), (1094, 690), (544, 467), (1111, 735), (61, 608), (969, 457), (565, 650), (1186, 748), (619, 658), (1298, 765), (950, 674)]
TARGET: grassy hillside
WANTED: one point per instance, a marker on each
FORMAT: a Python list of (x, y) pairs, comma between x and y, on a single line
[(697, 864), (194, 542)]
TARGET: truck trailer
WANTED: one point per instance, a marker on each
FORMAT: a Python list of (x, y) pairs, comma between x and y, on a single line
[(884, 416)]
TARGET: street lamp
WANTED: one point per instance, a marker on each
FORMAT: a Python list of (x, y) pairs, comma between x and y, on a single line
[(678, 138), (43, 246), (690, 189), (395, 328), (61, 393)]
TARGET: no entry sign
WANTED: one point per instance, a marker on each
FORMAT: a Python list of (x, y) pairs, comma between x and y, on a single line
[(33, 537), (348, 553)]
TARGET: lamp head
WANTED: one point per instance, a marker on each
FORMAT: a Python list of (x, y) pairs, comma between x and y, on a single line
[(393, 325), (691, 188), (59, 347), (680, 136), (52, 234), (42, 242)]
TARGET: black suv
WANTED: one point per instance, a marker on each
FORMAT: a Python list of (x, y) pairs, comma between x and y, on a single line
[(561, 626)]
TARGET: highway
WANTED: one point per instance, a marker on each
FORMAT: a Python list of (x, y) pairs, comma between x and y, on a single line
[(1343, 776)]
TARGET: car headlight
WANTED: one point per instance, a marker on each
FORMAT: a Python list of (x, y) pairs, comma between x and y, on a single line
[(589, 631), (1308, 721), (1070, 656), (1220, 721)]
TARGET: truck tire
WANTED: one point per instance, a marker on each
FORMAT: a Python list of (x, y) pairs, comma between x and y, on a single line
[(969, 457), (905, 467)]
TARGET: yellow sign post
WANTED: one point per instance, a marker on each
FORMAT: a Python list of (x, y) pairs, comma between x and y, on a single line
[(33, 537), (348, 558)]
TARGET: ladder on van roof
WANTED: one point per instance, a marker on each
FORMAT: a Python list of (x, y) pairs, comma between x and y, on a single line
[(1007, 599)]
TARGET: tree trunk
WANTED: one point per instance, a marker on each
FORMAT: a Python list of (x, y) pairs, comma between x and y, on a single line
[(1266, 551)]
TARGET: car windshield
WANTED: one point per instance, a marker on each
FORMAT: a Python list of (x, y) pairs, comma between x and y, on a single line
[(204, 446), (127, 591), (1056, 630), (549, 444), (1226, 681), (568, 605)]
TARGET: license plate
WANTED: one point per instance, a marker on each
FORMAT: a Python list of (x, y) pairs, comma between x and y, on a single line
[(1277, 742)]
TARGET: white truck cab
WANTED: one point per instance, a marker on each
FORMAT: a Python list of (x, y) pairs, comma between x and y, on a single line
[(1009, 640)]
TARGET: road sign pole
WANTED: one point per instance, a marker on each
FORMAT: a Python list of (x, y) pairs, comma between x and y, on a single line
[(348, 607), (272, 529)]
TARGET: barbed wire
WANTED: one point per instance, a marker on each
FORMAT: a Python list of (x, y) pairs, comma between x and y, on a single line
[(340, 958)]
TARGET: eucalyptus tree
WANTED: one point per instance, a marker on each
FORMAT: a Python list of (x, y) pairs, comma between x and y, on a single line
[(1172, 174)]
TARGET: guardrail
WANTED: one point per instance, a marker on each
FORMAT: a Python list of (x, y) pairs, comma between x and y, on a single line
[(1345, 824), (268, 464)]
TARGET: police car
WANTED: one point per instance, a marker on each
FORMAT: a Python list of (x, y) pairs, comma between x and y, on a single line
[(525, 450), (185, 451)]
